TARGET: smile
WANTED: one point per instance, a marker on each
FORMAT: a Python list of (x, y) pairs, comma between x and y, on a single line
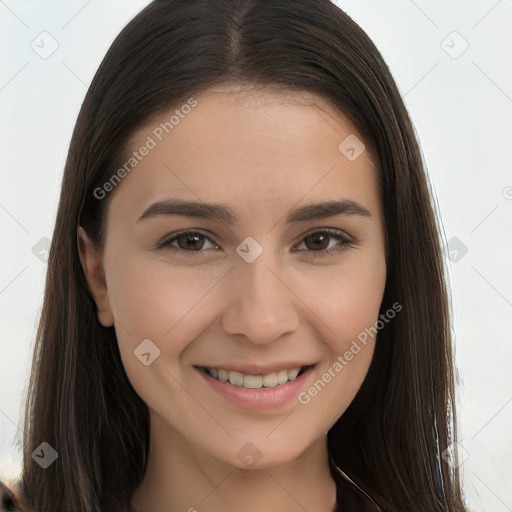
[(270, 380)]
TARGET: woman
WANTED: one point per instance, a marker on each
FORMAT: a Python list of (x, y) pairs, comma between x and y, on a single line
[(197, 350)]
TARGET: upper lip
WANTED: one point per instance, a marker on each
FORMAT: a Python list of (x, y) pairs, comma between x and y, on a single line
[(256, 369)]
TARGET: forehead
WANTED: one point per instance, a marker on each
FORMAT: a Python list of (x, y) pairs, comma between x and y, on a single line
[(253, 147)]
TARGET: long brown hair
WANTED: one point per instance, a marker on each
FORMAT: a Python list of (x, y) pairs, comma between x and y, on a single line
[(80, 401)]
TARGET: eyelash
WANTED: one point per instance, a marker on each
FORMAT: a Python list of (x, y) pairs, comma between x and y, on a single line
[(333, 233)]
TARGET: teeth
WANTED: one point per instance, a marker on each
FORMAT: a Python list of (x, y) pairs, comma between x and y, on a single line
[(292, 374), (254, 381), (270, 380), (282, 377), (222, 375), (236, 378)]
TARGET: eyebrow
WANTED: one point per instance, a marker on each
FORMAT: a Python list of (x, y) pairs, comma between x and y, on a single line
[(223, 213)]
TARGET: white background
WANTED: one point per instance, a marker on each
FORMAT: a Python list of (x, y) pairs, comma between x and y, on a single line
[(461, 108)]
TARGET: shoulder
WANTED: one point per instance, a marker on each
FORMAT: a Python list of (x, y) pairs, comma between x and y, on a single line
[(8, 499)]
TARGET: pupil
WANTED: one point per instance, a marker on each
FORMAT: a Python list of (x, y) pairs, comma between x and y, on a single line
[(191, 239), (317, 238)]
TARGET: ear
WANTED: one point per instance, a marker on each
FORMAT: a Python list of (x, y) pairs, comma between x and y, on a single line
[(91, 258)]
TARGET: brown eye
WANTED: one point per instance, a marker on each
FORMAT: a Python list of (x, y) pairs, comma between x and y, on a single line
[(318, 242), (189, 243)]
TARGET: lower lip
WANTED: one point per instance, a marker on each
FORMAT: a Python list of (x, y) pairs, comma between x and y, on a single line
[(263, 398)]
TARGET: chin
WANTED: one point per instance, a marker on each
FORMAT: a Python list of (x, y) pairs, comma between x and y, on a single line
[(262, 454)]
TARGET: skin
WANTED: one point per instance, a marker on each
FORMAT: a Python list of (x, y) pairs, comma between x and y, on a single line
[(262, 152)]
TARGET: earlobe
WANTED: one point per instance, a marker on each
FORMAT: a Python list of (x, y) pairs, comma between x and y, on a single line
[(91, 259)]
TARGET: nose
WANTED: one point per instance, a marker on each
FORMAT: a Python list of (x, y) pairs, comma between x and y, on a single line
[(262, 306)]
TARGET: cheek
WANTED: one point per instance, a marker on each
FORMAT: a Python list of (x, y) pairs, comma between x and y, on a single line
[(350, 310), (156, 301), (347, 299)]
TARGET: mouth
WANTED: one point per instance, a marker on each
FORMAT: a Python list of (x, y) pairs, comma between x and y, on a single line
[(247, 381)]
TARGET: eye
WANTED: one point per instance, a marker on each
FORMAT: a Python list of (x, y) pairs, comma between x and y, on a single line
[(319, 242), (190, 243)]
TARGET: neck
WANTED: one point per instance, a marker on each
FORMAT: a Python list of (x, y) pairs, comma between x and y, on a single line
[(182, 478)]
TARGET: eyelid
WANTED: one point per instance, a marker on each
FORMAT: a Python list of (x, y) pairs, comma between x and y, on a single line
[(165, 242), (335, 232)]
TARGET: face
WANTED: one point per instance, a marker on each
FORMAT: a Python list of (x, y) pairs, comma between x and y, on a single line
[(254, 282)]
